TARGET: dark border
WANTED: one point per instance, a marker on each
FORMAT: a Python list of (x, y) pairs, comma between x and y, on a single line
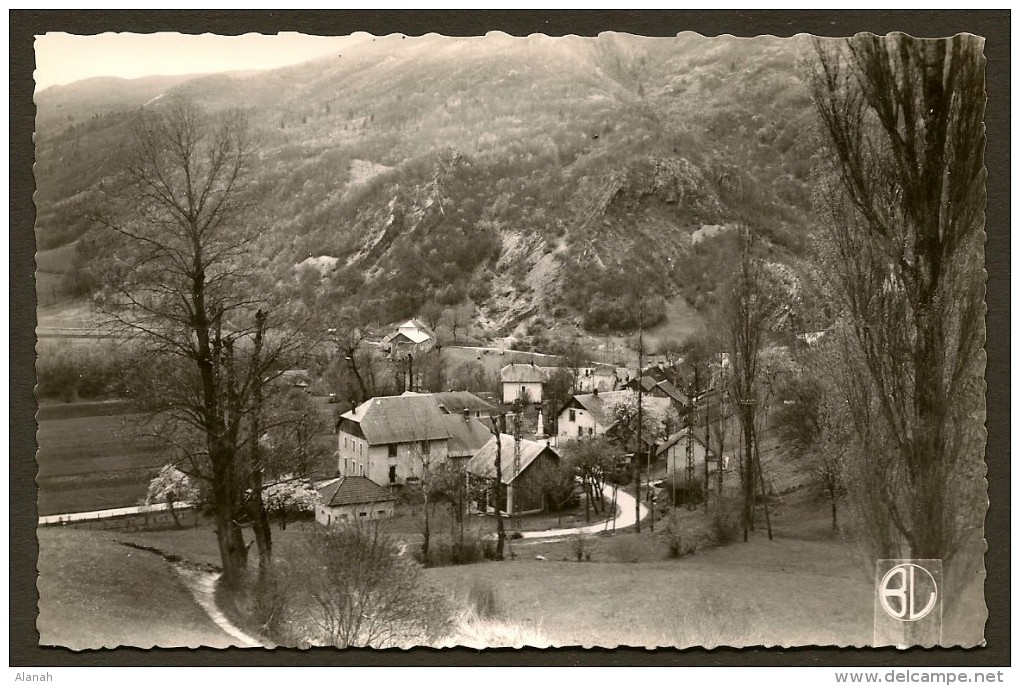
[(994, 25)]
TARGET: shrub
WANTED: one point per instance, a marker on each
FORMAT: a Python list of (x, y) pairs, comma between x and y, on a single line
[(484, 599), (678, 544), (581, 545), (447, 552), (725, 524), (626, 549), (361, 593), (687, 493)]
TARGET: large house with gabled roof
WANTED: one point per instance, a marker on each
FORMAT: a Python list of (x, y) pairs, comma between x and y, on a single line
[(390, 439)]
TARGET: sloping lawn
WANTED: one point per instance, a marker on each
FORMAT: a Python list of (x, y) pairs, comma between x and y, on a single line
[(96, 593), (785, 592)]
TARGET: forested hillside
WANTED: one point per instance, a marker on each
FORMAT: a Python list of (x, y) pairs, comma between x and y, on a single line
[(536, 177)]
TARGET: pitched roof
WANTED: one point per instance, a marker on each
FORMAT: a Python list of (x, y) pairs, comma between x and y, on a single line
[(522, 373), (457, 401), (467, 435), (682, 435), (399, 419), (596, 404), (483, 463), (352, 490), (673, 392)]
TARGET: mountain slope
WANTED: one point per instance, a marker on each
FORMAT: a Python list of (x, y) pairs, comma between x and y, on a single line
[(535, 176)]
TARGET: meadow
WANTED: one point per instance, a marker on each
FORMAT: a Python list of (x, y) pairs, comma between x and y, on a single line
[(92, 457)]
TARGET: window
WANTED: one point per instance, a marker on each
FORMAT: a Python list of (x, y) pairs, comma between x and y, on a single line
[(391, 450), (382, 513), (580, 431), (345, 466), (590, 431), (393, 473), (363, 469), (426, 447), (362, 514), (573, 416)]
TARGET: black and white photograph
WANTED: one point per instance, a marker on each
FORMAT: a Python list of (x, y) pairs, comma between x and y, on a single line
[(490, 341)]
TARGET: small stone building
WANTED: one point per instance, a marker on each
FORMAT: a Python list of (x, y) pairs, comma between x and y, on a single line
[(349, 498)]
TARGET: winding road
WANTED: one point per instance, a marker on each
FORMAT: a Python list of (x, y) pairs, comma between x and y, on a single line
[(625, 516)]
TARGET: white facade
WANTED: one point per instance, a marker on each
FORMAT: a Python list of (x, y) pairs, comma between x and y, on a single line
[(531, 391), (676, 457), (346, 513), (391, 463), (575, 422)]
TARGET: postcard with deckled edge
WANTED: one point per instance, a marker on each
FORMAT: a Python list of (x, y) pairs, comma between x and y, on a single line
[(505, 341)]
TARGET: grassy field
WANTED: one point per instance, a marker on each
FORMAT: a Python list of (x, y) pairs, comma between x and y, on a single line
[(786, 592), (90, 459), (96, 593)]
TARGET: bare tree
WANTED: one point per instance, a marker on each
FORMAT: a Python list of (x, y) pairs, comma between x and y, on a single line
[(591, 458), (748, 312), (432, 314), (363, 594), (348, 332), (458, 318), (183, 286), (903, 203)]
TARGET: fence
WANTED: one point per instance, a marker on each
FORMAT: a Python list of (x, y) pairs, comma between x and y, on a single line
[(146, 517)]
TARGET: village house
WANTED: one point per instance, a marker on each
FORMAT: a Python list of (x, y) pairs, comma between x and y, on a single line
[(412, 337), (348, 498), (663, 388), (588, 414), (674, 451), (522, 491), (523, 382), (390, 439)]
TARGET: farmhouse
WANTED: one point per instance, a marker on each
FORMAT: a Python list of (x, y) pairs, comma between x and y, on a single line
[(411, 337), (391, 438), (522, 382), (588, 414), (521, 491), (661, 389), (352, 497)]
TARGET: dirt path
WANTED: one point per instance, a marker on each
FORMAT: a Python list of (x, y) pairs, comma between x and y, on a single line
[(202, 585)]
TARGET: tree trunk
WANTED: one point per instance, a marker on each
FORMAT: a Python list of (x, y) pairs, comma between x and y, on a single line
[(260, 518), (764, 495), (233, 552), (587, 499), (496, 486), (173, 512), (835, 524)]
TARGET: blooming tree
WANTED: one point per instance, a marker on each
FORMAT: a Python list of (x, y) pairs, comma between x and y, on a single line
[(171, 486), (289, 494)]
